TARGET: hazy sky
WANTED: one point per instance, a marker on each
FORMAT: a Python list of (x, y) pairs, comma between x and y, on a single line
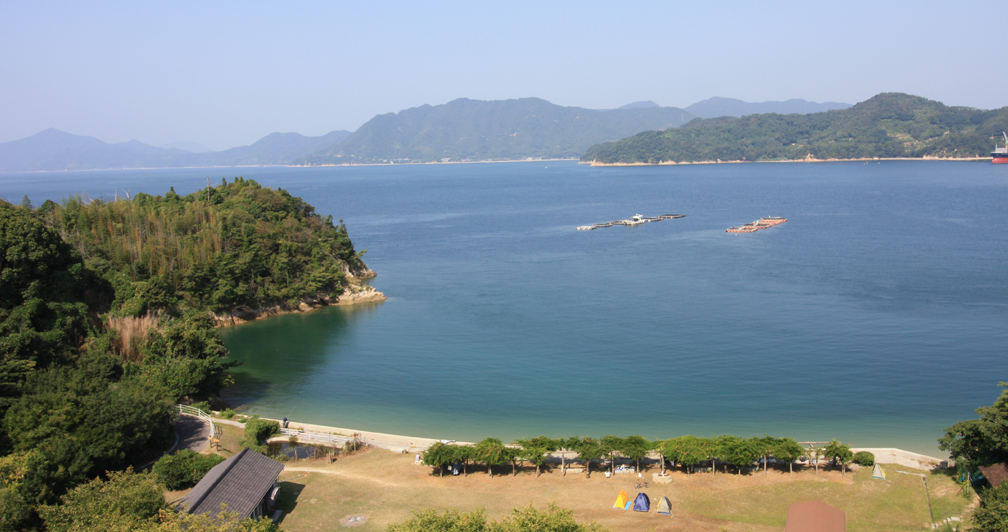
[(225, 74)]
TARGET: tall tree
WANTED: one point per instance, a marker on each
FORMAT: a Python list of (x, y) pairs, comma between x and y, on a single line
[(534, 449), (611, 446), (686, 451), (636, 448), (490, 451), (982, 441), (789, 450), (589, 449), (839, 453)]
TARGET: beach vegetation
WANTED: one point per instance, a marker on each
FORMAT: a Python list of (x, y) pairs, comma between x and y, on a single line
[(864, 459), (686, 451), (839, 453), (611, 446), (492, 452), (588, 449), (788, 450), (636, 447), (738, 452), (534, 450), (437, 455)]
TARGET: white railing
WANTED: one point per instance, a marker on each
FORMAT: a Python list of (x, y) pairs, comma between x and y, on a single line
[(318, 436), (193, 411)]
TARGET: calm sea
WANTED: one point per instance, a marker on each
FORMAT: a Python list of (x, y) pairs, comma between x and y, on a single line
[(877, 315)]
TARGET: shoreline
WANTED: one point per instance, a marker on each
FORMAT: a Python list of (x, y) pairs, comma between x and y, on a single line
[(355, 294), (806, 160), (411, 444)]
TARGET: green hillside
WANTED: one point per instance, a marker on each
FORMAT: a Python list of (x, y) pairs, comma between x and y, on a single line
[(104, 324), (476, 130), (887, 125)]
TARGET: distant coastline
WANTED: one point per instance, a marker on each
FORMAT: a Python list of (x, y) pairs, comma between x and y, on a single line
[(806, 160), (286, 166)]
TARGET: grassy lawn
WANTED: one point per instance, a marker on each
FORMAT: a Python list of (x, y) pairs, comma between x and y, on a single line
[(386, 487)]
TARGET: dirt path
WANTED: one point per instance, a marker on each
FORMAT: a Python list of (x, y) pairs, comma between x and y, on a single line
[(342, 474)]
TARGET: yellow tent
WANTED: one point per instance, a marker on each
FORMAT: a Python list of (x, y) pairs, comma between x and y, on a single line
[(622, 500)]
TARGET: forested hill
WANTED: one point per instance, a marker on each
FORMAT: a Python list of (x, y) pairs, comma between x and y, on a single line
[(104, 323), (234, 245), (887, 125), (717, 106), (476, 130)]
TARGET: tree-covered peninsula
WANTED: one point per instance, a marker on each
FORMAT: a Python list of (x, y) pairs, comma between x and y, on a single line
[(888, 125), (107, 319)]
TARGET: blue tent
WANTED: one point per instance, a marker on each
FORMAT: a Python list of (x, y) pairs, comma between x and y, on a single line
[(642, 503)]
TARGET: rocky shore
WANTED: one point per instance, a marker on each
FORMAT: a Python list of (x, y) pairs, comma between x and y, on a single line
[(354, 293)]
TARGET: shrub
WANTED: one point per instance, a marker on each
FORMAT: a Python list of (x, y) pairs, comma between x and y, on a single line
[(202, 405), (864, 458), (184, 468), (257, 431), (131, 499), (227, 413), (992, 514)]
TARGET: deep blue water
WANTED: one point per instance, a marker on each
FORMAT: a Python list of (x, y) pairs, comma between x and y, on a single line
[(877, 315)]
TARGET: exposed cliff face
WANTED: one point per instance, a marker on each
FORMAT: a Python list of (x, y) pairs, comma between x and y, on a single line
[(353, 294)]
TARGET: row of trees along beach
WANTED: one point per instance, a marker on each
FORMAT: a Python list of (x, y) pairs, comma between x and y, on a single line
[(684, 451)]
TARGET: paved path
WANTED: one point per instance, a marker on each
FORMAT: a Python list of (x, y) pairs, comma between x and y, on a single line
[(193, 433)]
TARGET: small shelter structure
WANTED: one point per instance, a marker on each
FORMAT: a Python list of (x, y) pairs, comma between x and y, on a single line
[(246, 483), (665, 506), (815, 516), (642, 503), (878, 473), (995, 474), (622, 500)]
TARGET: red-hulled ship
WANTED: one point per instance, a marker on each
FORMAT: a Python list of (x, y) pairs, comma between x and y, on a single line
[(1000, 155)]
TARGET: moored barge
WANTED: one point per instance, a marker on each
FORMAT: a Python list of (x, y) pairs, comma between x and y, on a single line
[(762, 223)]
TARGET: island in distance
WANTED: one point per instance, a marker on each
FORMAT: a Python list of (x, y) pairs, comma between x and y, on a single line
[(461, 130), (888, 125)]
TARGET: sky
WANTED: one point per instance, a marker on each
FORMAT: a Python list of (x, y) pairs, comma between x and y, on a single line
[(225, 74)]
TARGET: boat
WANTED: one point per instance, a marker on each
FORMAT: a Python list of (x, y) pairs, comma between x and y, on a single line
[(1000, 155)]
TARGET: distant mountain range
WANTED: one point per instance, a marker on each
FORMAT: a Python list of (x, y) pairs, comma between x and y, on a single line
[(55, 150), (717, 106), (477, 130), (460, 130), (886, 126)]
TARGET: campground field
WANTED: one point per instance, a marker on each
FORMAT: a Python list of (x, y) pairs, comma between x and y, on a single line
[(386, 487)]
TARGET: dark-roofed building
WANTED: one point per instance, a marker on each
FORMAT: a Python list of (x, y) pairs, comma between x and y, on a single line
[(245, 483), (995, 474), (815, 516)]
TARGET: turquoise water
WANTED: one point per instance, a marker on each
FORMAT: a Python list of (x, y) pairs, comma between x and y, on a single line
[(876, 315)]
